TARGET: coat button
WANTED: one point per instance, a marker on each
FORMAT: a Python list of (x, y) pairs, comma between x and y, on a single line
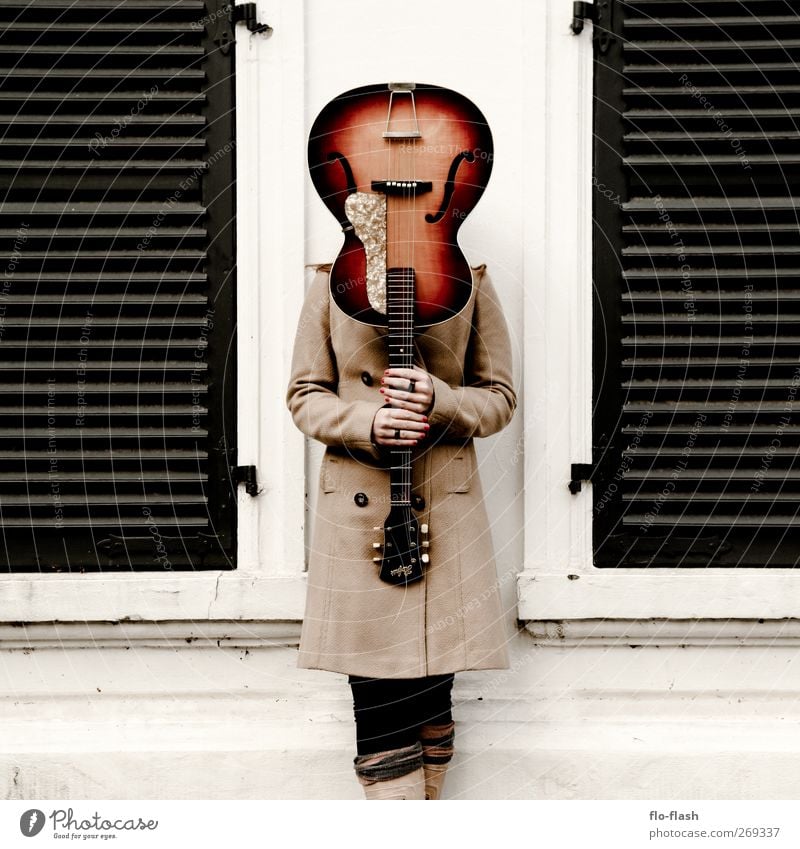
[(366, 378), (361, 499), (418, 501)]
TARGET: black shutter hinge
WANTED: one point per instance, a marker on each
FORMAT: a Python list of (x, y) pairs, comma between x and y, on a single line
[(582, 11), (247, 476), (247, 13), (579, 472)]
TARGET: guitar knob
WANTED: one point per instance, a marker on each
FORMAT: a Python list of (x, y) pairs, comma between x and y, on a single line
[(426, 558), (423, 529), (426, 544), (376, 545)]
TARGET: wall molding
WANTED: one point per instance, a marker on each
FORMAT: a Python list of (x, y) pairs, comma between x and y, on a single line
[(165, 634), (667, 633)]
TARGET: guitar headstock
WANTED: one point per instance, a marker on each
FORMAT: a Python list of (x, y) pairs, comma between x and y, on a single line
[(404, 547)]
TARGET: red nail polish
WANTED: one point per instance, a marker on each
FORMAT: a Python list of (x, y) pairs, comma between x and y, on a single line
[(424, 418), (427, 427), (381, 389)]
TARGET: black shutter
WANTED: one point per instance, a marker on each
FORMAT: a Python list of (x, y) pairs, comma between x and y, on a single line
[(116, 298), (697, 284)]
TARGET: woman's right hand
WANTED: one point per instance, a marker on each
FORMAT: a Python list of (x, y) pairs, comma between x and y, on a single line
[(389, 421)]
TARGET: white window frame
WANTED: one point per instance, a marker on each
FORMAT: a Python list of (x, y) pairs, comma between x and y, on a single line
[(269, 581), (558, 580)]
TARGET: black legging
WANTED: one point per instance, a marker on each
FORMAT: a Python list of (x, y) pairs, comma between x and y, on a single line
[(390, 711)]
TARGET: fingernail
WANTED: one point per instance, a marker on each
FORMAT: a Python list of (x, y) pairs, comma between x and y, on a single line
[(424, 418), (380, 389), (427, 427)]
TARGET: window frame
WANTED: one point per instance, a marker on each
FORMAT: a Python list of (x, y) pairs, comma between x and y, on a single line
[(269, 581), (558, 580)]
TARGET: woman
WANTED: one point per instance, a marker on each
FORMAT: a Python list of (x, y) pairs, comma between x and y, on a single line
[(401, 645)]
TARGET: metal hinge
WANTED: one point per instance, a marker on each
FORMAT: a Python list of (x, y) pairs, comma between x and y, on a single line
[(247, 13), (247, 476), (582, 11), (579, 472)]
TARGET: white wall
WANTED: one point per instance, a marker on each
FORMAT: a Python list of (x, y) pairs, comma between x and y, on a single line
[(649, 685)]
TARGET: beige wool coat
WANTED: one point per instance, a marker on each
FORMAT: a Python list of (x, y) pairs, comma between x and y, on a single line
[(450, 620)]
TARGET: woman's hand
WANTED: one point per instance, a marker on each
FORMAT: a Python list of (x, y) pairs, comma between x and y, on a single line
[(408, 389), (409, 392), (398, 428)]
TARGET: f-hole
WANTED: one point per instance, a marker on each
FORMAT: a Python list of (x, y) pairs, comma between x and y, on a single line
[(450, 185)]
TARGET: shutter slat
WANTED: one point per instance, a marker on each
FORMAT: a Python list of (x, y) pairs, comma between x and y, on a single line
[(104, 96), (709, 47), (89, 433), (712, 495), (106, 365), (719, 21), (88, 499), (98, 73), (120, 455), (67, 50), (714, 519), (118, 388), (730, 429), (93, 121), (735, 295), (106, 411)]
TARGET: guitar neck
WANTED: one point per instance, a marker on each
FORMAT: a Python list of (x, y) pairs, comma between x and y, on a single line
[(400, 320)]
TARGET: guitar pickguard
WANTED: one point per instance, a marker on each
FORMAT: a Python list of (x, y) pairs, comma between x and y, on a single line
[(367, 213)]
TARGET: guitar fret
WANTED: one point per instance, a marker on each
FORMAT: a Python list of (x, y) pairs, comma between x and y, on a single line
[(400, 322)]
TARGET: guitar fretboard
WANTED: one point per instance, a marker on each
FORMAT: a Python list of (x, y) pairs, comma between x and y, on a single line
[(400, 320)]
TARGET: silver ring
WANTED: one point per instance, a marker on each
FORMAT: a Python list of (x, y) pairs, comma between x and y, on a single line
[(412, 385), (397, 433)]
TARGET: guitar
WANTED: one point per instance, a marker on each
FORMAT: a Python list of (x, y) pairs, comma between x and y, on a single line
[(400, 165)]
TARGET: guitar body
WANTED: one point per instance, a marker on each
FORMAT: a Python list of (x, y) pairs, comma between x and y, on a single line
[(400, 169)]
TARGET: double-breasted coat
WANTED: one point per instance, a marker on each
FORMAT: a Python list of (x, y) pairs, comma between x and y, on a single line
[(450, 620)]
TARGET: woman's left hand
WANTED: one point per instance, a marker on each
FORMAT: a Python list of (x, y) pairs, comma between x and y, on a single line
[(408, 389)]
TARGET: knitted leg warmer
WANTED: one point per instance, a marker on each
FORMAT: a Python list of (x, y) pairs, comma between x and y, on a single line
[(393, 774)]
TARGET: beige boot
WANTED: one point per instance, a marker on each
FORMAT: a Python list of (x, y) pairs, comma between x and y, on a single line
[(437, 751), (408, 786), (434, 780), (393, 774)]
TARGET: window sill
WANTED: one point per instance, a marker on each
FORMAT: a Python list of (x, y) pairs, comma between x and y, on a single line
[(659, 594), (151, 596)]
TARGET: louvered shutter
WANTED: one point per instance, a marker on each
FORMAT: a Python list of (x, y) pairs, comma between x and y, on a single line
[(697, 284), (116, 301)]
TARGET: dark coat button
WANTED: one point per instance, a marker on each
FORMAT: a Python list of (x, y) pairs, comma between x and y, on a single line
[(366, 378), (361, 499), (418, 501)]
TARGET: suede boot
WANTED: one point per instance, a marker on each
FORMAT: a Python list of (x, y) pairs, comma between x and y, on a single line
[(437, 751)]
